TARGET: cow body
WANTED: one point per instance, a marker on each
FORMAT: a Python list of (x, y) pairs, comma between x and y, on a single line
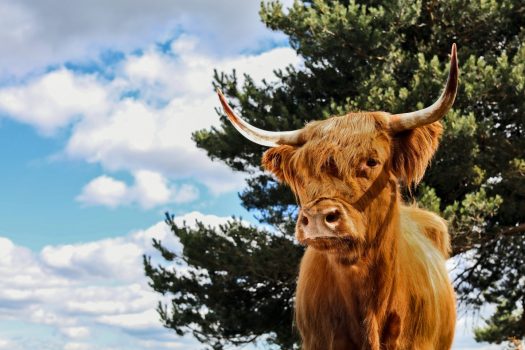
[(381, 302)]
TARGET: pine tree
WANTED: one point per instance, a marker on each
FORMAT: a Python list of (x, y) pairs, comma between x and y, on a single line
[(367, 55)]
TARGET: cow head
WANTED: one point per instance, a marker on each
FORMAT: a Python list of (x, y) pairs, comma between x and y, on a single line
[(344, 170)]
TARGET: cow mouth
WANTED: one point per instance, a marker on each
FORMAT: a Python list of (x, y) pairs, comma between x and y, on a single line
[(332, 243)]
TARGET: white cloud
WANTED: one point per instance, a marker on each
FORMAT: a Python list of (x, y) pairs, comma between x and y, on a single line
[(186, 193), (132, 321), (138, 134), (7, 344), (35, 34), (174, 98), (147, 135), (76, 346), (102, 289), (149, 189), (104, 190), (191, 218), (54, 100), (76, 332)]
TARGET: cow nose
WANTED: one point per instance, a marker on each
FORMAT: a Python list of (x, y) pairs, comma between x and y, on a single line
[(320, 223)]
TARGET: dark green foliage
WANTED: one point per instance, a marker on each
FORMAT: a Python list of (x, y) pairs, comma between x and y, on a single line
[(387, 55), (239, 284)]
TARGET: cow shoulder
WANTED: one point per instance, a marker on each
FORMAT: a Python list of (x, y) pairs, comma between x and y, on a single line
[(431, 225)]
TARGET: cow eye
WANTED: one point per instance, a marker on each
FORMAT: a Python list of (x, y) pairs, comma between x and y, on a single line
[(331, 167), (371, 162)]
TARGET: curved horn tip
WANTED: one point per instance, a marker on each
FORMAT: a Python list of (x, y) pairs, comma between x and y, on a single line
[(438, 109), (454, 57), (225, 104), (221, 96), (452, 82)]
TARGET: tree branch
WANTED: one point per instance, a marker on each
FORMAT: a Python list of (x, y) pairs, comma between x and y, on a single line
[(513, 230), (485, 239)]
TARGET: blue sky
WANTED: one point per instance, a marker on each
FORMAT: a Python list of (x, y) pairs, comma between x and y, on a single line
[(39, 207), (97, 104)]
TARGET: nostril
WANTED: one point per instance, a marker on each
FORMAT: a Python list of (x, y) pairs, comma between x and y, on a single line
[(332, 217), (304, 221)]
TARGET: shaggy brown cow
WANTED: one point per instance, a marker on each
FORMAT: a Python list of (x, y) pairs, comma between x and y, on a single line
[(373, 275)]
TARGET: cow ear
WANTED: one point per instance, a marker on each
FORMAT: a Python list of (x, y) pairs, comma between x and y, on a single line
[(275, 159), (413, 150)]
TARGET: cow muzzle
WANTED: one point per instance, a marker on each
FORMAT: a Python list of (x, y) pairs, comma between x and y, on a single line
[(327, 224)]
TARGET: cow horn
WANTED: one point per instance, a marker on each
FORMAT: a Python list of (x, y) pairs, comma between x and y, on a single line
[(259, 136), (436, 111)]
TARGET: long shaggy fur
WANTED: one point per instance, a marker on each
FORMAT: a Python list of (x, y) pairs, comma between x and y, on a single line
[(413, 150)]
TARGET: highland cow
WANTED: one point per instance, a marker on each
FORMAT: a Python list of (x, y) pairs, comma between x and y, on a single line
[(373, 275)]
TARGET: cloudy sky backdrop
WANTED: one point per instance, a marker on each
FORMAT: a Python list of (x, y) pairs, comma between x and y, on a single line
[(98, 100)]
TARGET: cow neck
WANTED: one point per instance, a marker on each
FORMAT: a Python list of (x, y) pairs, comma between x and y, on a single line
[(378, 229), (380, 256), (371, 280)]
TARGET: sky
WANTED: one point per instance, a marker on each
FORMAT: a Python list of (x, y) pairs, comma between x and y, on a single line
[(98, 100)]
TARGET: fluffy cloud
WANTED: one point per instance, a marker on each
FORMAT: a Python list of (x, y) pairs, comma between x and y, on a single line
[(141, 120), (76, 346), (76, 332), (53, 100), (149, 189), (154, 131), (7, 344), (104, 190), (39, 33), (88, 288)]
